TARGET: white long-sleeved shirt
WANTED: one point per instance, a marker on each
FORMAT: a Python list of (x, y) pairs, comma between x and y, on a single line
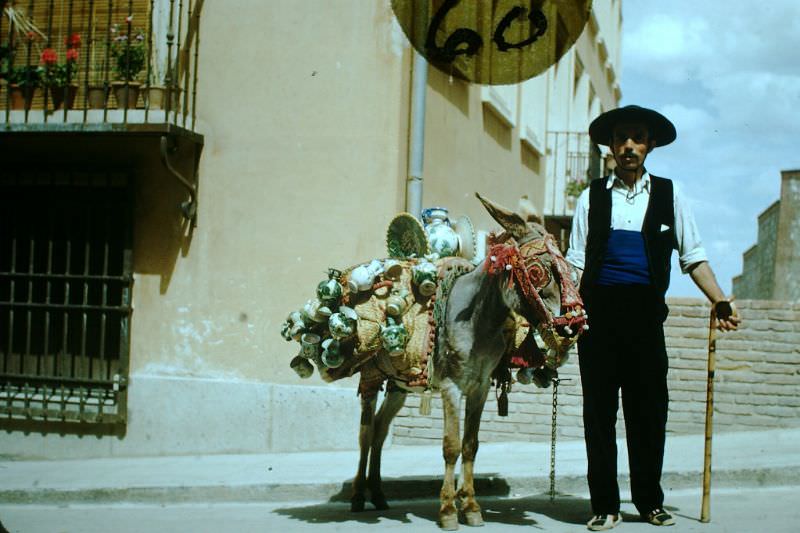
[(628, 209)]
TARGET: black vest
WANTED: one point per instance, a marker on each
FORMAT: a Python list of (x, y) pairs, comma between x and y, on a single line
[(658, 244)]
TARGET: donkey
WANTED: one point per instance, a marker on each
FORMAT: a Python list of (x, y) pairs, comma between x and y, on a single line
[(525, 273)]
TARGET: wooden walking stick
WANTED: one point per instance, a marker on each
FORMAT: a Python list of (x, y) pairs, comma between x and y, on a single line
[(705, 508)]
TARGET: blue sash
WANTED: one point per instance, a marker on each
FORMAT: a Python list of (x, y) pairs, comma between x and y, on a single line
[(625, 260)]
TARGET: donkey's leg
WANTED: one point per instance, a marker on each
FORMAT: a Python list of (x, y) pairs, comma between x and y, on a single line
[(451, 402), (392, 402), (472, 421), (365, 434)]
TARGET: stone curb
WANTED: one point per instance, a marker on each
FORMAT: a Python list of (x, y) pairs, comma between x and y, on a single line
[(425, 487)]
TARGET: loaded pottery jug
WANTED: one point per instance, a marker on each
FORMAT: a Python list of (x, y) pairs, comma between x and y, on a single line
[(442, 238), (329, 291), (342, 324), (394, 337), (424, 276), (302, 366), (332, 355)]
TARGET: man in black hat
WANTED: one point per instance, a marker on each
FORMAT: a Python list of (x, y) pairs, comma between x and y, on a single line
[(624, 230)]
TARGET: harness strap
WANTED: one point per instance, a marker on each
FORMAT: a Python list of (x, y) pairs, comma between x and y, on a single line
[(506, 257)]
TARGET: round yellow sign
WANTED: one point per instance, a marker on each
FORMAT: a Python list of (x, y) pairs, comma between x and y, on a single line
[(492, 42)]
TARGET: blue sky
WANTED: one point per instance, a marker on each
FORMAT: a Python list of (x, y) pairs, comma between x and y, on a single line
[(727, 73)]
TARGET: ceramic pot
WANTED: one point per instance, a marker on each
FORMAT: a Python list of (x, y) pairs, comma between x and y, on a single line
[(155, 97), (298, 325), (286, 328), (397, 304), (424, 276), (302, 366), (126, 94), (329, 292), (21, 97), (342, 325), (310, 345), (394, 338), (392, 269), (97, 96), (63, 95), (332, 355), (442, 238), (314, 311), (361, 279), (434, 213)]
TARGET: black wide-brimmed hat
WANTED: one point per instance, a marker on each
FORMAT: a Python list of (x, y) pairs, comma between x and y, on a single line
[(661, 129)]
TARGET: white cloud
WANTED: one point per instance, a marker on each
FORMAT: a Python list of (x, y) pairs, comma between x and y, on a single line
[(688, 120), (666, 47), (763, 103), (726, 73), (704, 38)]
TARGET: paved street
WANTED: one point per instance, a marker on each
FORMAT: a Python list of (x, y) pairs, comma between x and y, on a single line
[(733, 510)]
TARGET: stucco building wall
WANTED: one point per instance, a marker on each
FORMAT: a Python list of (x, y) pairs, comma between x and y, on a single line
[(305, 117)]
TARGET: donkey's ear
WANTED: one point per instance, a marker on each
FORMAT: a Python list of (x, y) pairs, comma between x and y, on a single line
[(511, 222), (528, 211)]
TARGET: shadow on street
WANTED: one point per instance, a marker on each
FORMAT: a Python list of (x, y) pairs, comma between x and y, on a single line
[(510, 511)]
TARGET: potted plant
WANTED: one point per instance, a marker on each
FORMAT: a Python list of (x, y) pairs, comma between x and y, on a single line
[(98, 88), (155, 98), (128, 53), (573, 189), (22, 82), (5, 53), (97, 92), (61, 78)]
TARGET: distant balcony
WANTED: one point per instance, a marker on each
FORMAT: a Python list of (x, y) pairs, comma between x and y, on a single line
[(573, 160), (77, 64)]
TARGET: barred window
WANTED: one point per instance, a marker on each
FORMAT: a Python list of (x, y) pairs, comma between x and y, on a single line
[(65, 292)]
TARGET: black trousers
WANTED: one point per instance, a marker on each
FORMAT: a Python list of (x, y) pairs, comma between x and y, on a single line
[(624, 351)]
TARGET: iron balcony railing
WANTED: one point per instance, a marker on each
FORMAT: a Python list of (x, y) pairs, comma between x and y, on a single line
[(99, 61), (573, 161)]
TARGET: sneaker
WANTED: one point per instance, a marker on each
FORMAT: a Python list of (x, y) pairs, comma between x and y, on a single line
[(602, 522), (659, 517)]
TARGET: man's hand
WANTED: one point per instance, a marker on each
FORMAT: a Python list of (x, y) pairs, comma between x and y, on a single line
[(727, 316)]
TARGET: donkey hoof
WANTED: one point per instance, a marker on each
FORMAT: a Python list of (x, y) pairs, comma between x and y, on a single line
[(357, 504), (473, 518), (379, 501), (448, 522)]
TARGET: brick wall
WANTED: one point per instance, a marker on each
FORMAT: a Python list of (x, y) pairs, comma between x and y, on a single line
[(757, 382)]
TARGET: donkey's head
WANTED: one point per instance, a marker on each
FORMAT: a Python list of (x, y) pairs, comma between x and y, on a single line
[(542, 288)]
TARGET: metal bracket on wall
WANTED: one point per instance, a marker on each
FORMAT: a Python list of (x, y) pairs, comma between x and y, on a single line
[(188, 207)]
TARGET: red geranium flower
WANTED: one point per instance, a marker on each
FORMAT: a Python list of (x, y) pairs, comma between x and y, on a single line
[(72, 54), (49, 57), (73, 41)]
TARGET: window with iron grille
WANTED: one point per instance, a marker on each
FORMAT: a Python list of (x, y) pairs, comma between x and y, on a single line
[(65, 301)]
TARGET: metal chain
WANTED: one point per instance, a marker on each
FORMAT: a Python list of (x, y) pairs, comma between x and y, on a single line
[(553, 426)]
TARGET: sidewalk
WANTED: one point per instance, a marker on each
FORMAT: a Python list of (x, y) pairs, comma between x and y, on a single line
[(764, 458)]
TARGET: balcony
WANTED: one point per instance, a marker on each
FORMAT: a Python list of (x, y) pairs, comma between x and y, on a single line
[(78, 76), (573, 161), (98, 115), (99, 61)]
